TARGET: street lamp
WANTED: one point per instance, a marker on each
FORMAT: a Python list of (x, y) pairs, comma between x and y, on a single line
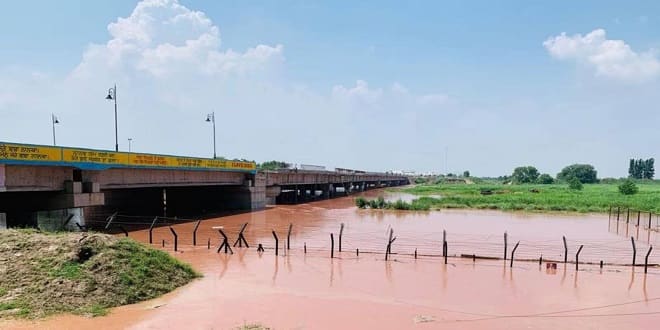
[(211, 119), (54, 120), (112, 95), (129, 144)]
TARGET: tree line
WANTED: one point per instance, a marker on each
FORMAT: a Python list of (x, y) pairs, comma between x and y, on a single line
[(584, 173), (641, 168)]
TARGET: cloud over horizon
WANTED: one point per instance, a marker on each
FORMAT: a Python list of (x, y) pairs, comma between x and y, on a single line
[(608, 57)]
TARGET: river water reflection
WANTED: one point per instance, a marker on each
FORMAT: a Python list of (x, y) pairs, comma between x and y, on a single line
[(312, 291)]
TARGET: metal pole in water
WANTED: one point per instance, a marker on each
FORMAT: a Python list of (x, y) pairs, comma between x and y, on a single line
[(646, 259), (577, 256), (513, 252), (505, 244), (632, 240), (565, 250)]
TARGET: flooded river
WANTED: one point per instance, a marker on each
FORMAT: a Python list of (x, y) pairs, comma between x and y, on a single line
[(298, 290)]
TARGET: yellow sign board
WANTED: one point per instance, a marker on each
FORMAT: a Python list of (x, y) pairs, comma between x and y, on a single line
[(95, 156), (104, 159), (30, 153)]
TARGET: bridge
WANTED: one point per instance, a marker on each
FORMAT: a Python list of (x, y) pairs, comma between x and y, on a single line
[(45, 184)]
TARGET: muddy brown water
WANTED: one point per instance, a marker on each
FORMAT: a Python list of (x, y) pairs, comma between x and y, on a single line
[(298, 290)]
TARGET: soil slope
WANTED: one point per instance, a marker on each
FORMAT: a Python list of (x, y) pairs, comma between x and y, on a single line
[(82, 273)]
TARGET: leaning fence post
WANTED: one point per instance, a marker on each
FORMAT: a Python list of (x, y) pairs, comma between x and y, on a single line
[(332, 246), (241, 238), (341, 232), (151, 229), (112, 217), (513, 252), (277, 243), (83, 228), (288, 237), (389, 244), (646, 259), (632, 240), (577, 256), (195, 232), (176, 239), (505, 244), (565, 249), (123, 230), (225, 243)]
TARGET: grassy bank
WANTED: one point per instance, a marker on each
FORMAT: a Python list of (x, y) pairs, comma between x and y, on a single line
[(420, 204), (81, 273), (552, 197)]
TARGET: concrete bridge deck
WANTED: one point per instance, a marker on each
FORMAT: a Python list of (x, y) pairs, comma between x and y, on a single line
[(43, 181)]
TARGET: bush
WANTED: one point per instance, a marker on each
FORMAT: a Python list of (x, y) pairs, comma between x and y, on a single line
[(420, 180), (525, 174), (361, 202), (628, 187), (545, 179), (574, 183), (584, 172)]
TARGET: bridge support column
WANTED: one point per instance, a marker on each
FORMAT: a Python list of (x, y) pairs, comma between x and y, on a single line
[(326, 191), (3, 221)]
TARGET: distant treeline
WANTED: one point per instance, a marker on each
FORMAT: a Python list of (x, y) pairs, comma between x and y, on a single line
[(641, 168)]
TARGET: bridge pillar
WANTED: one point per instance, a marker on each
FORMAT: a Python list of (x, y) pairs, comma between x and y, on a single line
[(3, 221)]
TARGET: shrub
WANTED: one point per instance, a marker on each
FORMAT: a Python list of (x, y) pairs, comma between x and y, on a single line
[(420, 180), (545, 179), (584, 172), (361, 202), (628, 187), (574, 183)]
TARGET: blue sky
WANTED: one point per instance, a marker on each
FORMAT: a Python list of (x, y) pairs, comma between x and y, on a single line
[(376, 85)]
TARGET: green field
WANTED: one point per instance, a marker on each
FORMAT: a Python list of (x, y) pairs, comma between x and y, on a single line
[(537, 197)]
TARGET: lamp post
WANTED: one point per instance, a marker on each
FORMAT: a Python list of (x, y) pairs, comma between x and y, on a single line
[(112, 95), (54, 120), (129, 144), (211, 118)]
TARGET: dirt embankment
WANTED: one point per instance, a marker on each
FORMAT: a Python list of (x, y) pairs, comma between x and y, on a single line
[(82, 273)]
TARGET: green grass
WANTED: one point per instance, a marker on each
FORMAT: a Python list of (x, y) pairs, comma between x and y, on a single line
[(553, 197), (420, 204), (81, 273)]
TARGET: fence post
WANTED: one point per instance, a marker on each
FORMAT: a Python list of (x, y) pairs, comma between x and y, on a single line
[(241, 238), (446, 251), (110, 218), (505, 244), (650, 214), (288, 237), (565, 249), (628, 216), (639, 214), (609, 214), (151, 228), (513, 252), (332, 246), (277, 243), (389, 244), (176, 239), (444, 240), (123, 230), (646, 259), (577, 256), (341, 232), (618, 212), (225, 243), (208, 244), (195, 232), (305, 247), (632, 240)]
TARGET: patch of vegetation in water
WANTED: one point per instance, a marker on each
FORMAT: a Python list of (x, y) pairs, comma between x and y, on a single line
[(421, 204), (81, 273)]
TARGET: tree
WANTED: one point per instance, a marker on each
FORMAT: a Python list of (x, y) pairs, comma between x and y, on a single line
[(272, 165), (628, 187), (584, 172), (525, 174), (641, 168), (574, 183), (466, 174), (545, 179)]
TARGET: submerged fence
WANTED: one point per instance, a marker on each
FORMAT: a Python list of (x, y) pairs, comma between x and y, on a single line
[(174, 233)]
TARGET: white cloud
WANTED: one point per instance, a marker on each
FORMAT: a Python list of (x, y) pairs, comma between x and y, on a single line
[(361, 92), (162, 37), (609, 58)]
